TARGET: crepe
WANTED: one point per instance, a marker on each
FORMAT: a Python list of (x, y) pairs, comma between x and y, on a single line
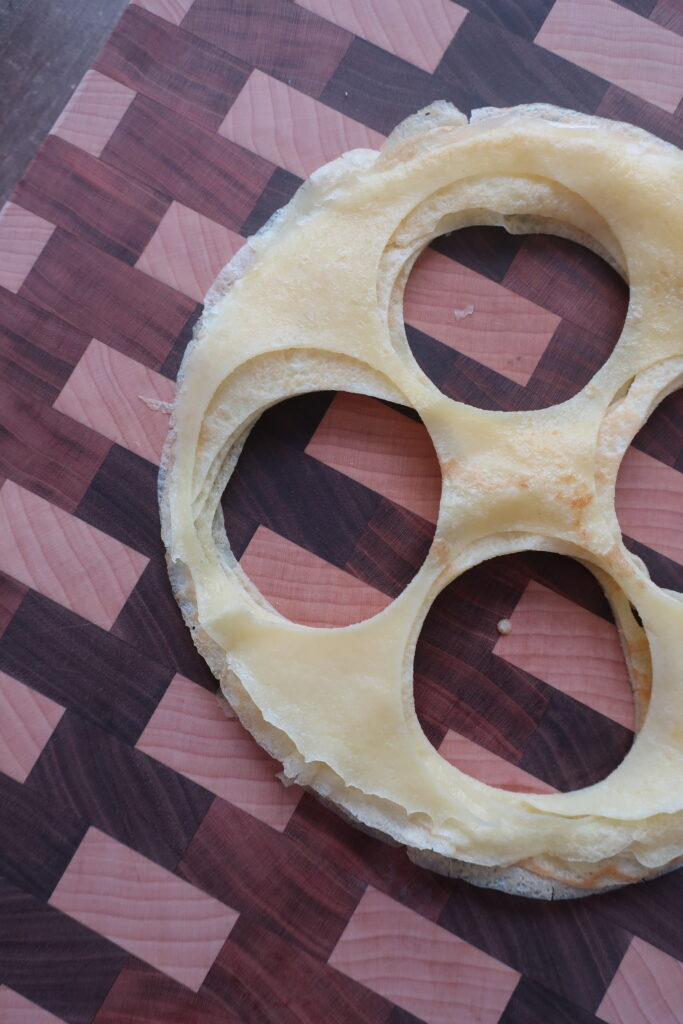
[(314, 302)]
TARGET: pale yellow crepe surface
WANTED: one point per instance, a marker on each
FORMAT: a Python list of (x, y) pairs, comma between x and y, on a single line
[(313, 302)]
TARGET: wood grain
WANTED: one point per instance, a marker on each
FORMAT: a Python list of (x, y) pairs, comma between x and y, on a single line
[(570, 648), (143, 908), (344, 522), (172, 10), (419, 966), (568, 280), (520, 72), (46, 452), (188, 250), (523, 17), (151, 622), (356, 855), (555, 944), (275, 36), (531, 1002), (93, 112), (462, 684), (143, 994), (14, 1007), (39, 840), (305, 588), (150, 56), (107, 299), (28, 721), (648, 986), (668, 14), (43, 634), (65, 559), (648, 503), (119, 773), (622, 105), (649, 912), (120, 399), (290, 129), (661, 436), (627, 49), (286, 889), (24, 236), (37, 351), (11, 595), (87, 774), (482, 764), (267, 980), (418, 36), (382, 448), (120, 501), (196, 735), (75, 191), (159, 148), (68, 972), (379, 89), (476, 316)]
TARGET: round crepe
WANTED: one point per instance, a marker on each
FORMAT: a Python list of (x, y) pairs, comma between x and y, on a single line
[(314, 301)]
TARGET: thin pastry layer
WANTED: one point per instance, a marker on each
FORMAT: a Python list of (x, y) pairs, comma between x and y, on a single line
[(314, 301)]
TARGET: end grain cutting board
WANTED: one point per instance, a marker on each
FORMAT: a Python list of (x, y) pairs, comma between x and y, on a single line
[(151, 867)]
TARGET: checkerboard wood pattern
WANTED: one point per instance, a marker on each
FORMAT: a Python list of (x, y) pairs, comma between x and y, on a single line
[(152, 868)]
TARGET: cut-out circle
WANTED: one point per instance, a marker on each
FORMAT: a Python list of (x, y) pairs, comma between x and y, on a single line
[(332, 506), (543, 707), (528, 338)]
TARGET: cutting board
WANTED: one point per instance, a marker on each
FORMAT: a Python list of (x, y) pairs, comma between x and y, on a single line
[(152, 868)]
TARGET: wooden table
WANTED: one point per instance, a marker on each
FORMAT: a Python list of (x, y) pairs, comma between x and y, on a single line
[(152, 868)]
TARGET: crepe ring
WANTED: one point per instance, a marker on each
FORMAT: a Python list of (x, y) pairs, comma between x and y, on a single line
[(314, 302)]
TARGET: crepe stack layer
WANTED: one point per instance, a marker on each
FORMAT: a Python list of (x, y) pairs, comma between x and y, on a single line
[(315, 302)]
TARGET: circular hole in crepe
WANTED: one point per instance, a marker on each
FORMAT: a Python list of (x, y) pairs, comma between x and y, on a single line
[(510, 322), (332, 506), (544, 707)]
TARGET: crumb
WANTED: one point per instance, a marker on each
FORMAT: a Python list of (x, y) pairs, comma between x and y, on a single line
[(504, 627), (156, 405), (460, 314)]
